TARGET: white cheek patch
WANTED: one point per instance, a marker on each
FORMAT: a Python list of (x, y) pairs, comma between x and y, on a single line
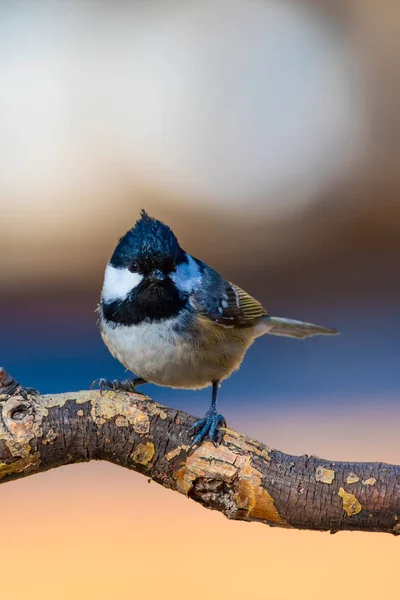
[(187, 275), (118, 282)]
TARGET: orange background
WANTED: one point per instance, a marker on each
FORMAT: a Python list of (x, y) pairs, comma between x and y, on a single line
[(100, 531)]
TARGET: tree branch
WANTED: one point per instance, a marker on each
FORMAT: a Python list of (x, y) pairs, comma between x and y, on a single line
[(242, 478)]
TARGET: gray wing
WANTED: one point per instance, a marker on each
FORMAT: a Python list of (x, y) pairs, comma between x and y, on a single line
[(224, 302)]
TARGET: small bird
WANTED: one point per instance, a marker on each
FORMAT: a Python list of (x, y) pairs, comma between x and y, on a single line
[(172, 320)]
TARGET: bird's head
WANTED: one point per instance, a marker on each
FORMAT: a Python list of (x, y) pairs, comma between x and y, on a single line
[(149, 272)]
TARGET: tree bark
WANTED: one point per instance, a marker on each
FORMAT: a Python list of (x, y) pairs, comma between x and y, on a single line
[(242, 478)]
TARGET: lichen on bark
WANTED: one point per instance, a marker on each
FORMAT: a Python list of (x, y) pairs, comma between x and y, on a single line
[(242, 478)]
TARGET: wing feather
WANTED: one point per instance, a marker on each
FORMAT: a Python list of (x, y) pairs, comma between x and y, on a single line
[(223, 302), (238, 308), (251, 308)]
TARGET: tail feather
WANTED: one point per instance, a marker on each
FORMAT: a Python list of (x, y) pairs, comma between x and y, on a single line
[(292, 328)]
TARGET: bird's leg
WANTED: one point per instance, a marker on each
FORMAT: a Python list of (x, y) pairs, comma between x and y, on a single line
[(128, 385), (208, 426)]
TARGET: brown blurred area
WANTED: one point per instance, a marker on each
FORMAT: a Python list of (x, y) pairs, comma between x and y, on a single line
[(88, 104)]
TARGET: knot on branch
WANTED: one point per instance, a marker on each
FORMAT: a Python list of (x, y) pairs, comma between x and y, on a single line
[(21, 418)]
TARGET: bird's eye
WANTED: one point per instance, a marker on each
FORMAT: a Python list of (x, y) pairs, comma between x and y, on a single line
[(134, 267)]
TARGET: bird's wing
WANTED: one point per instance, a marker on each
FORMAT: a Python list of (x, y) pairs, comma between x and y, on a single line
[(225, 303), (249, 306), (238, 308)]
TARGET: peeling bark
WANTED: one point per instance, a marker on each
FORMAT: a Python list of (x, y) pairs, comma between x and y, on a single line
[(242, 478)]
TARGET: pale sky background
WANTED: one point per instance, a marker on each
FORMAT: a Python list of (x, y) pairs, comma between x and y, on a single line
[(240, 109)]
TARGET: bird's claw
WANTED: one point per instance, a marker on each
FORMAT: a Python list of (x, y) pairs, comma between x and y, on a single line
[(128, 385), (208, 426), (103, 384)]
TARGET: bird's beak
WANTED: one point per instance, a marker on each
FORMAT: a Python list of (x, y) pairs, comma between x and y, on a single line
[(157, 275)]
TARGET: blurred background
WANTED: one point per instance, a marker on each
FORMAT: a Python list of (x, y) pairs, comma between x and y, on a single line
[(267, 135)]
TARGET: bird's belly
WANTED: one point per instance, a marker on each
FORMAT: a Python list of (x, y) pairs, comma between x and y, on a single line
[(161, 355)]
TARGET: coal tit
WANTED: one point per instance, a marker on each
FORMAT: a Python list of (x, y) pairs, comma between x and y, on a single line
[(172, 320)]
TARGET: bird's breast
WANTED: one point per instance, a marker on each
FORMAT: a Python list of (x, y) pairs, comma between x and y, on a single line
[(166, 354)]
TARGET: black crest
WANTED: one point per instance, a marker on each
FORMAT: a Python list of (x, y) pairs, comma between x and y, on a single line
[(149, 239)]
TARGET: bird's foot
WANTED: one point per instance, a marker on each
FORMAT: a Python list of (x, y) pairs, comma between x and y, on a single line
[(208, 426), (128, 385)]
